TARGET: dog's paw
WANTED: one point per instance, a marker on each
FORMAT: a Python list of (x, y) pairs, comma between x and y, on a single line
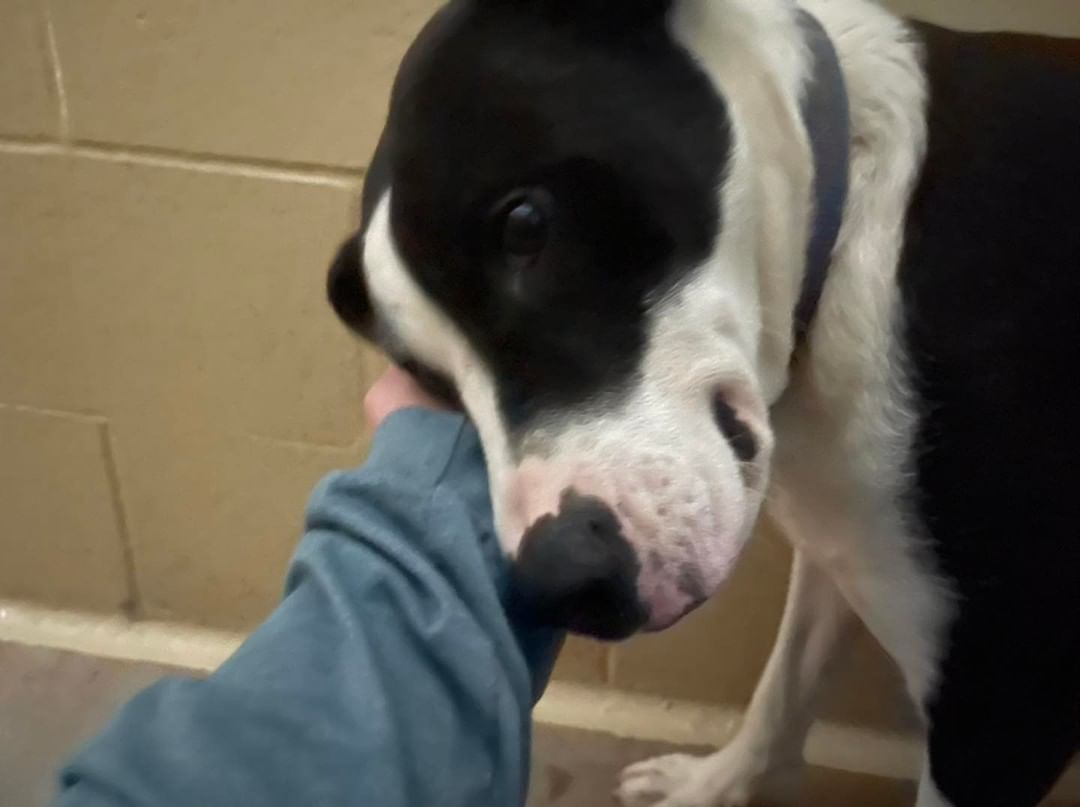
[(729, 778), (671, 781)]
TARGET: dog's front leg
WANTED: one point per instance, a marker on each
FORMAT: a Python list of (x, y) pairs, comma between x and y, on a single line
[(764, 760)]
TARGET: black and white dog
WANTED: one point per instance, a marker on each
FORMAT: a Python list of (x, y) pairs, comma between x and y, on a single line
[(680, 259)]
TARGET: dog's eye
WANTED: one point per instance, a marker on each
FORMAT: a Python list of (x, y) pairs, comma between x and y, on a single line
[(526, 225)]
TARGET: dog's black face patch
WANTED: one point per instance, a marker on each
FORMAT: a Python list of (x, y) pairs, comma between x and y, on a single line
[(553, 167)]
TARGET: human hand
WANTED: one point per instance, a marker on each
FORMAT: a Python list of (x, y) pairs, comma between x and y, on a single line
[(394, 390)]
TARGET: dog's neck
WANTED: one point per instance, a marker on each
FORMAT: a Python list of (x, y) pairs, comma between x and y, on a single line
[(753, 51), (756, 52)]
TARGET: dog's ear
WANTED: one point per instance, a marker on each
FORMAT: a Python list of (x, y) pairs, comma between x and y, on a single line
[(347, 290)]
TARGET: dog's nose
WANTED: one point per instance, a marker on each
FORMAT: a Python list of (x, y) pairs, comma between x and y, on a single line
[(576, 570)]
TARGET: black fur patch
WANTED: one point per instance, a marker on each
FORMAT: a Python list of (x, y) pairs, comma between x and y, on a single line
[(599, 109), (991, 285)]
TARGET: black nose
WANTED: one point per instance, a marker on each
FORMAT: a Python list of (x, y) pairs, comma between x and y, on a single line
[(576, 570)]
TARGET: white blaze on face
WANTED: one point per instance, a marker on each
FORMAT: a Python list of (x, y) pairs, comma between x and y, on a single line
[(433, 339)]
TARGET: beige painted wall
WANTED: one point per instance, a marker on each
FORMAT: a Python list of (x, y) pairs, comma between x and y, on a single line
[(173, 180), (1056, 17)]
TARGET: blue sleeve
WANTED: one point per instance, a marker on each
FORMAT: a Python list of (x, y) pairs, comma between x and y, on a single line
[(389, 675)]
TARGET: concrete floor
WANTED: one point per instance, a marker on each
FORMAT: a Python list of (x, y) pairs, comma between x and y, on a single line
[(50, 701)]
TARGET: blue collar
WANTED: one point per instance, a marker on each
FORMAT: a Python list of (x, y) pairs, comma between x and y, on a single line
[(826, 114)]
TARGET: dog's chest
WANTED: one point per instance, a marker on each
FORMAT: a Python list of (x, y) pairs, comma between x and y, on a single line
[(854, 528)]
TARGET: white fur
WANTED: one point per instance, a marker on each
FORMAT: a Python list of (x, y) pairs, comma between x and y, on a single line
[(683, 501), (843, 424), (433, 339), (752, 53), (846, 420)]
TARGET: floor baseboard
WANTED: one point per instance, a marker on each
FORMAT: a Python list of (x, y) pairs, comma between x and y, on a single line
[(625, 715)]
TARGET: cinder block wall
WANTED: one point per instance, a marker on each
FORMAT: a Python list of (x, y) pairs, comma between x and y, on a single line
[(173, 180)]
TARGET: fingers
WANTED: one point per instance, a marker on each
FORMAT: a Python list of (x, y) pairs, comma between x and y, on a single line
[(394, 390)]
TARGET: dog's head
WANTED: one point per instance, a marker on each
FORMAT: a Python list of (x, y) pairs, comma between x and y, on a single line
[(571, 224)]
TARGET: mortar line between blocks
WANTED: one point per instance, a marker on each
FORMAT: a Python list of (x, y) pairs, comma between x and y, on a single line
[(42, 411), (276, 170), (134, 605), (300, 174), (57, 71)]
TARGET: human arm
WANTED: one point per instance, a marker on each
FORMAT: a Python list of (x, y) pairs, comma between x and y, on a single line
[(390, 674)]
